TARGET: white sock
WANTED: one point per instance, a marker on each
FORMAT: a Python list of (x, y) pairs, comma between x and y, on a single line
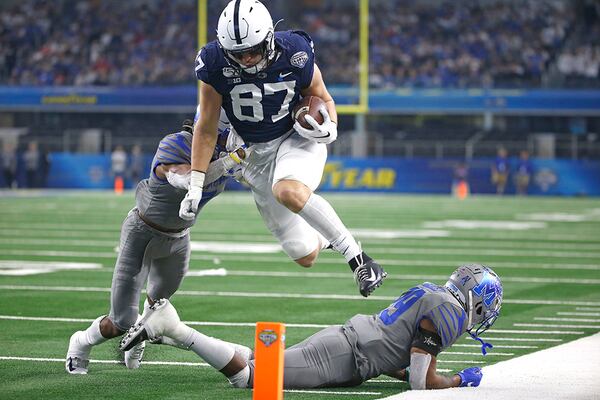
[(146, 307), (93, 335), (320, 215), (214, 351), (240, 380)]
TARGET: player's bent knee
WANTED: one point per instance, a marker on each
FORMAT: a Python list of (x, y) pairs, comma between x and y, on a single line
[(292, 194), (309, 260)]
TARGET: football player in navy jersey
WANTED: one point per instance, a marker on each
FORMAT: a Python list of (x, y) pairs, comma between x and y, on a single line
[(258, 75)]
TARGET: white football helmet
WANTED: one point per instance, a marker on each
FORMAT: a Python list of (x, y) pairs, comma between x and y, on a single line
[(246, 27)]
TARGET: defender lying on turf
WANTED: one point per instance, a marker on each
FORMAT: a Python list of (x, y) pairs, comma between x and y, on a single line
[(411, 332), (155, 242)]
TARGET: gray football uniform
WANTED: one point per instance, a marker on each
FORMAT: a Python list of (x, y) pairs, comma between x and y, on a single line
[(367, 346), (155, 242)]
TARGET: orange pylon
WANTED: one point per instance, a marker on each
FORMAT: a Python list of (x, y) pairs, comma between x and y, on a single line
[(269, 346)]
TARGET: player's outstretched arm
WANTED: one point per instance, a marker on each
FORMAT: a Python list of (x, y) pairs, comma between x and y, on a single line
[(203, 144), (423, 374)]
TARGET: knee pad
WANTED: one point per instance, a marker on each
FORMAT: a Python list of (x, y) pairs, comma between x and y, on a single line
[(296, 248)]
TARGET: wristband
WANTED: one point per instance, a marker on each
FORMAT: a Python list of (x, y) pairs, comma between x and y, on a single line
[(197, 179)]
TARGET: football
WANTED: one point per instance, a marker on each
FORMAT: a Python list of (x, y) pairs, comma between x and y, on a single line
[(309, 105)]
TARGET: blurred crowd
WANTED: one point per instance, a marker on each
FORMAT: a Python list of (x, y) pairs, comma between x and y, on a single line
[(471, 43), (94, 42)]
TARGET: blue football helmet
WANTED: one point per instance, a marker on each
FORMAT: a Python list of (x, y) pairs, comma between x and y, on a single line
[(479, 290)]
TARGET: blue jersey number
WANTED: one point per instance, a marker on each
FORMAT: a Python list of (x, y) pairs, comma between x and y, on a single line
[(250, 96), (404, 302)]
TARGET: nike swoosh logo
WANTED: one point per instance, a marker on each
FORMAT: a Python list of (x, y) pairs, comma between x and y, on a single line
[(282, 75), (322, 137), (373, 277), (71, 364)]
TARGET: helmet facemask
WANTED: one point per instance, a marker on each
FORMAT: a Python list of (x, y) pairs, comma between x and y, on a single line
[(480, 296), (266, 49)]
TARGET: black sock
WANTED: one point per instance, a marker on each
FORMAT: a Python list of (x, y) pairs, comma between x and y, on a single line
[(356, 261)]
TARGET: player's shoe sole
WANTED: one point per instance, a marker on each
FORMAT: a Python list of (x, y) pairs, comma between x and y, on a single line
[(133, 357), (159, 318)]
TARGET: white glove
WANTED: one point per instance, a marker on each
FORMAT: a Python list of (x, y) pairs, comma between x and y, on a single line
[(324, 133), (189, 204)]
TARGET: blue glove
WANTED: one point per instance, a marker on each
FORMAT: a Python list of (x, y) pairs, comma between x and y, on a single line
[(470, 377)]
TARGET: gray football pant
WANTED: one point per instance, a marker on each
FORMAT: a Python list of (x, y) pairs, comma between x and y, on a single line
[(145, 255), (323, 360)]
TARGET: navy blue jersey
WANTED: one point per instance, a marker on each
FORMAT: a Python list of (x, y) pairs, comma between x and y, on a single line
[(259, 106)]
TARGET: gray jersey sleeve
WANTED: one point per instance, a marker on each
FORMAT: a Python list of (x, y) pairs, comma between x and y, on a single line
[(450, 321), (175, 148)]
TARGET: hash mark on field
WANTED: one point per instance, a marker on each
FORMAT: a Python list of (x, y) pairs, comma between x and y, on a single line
[(580, 314), (516, 339), (559, 326), (324, 391), (588, 309), (566, 319), (499, 346)]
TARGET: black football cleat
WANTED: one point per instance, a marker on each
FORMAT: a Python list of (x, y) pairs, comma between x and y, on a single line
[(369, 276)]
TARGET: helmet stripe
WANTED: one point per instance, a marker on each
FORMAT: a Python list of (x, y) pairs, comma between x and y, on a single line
[(236, 22)]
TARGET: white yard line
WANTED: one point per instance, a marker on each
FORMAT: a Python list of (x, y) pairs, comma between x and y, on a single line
[(404, 277), (186, 364), (340, 275), (282, 259), (293, 325), (273, 295), (559, 326), (464, 353), (533, 376), (499, 346), (505, 339)]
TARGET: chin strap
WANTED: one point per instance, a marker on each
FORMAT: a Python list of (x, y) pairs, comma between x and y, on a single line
[(484, 345)]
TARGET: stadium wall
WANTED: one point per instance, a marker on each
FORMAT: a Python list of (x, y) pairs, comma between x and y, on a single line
[(393, 175), (400, 101)]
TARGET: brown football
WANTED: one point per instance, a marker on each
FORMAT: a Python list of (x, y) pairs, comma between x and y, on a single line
[(309, 105)]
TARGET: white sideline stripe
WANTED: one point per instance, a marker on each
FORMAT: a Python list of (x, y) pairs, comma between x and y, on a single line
[(339, 275), (322, 260), (499, 346), (252, 324), (274, 295), (62, 360), (588, 308), (567, 319), (530, 376), (580, 314), (559, 326)]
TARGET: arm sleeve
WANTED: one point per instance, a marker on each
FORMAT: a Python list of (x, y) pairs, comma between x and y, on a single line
[(173, 149), (303, 57)]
